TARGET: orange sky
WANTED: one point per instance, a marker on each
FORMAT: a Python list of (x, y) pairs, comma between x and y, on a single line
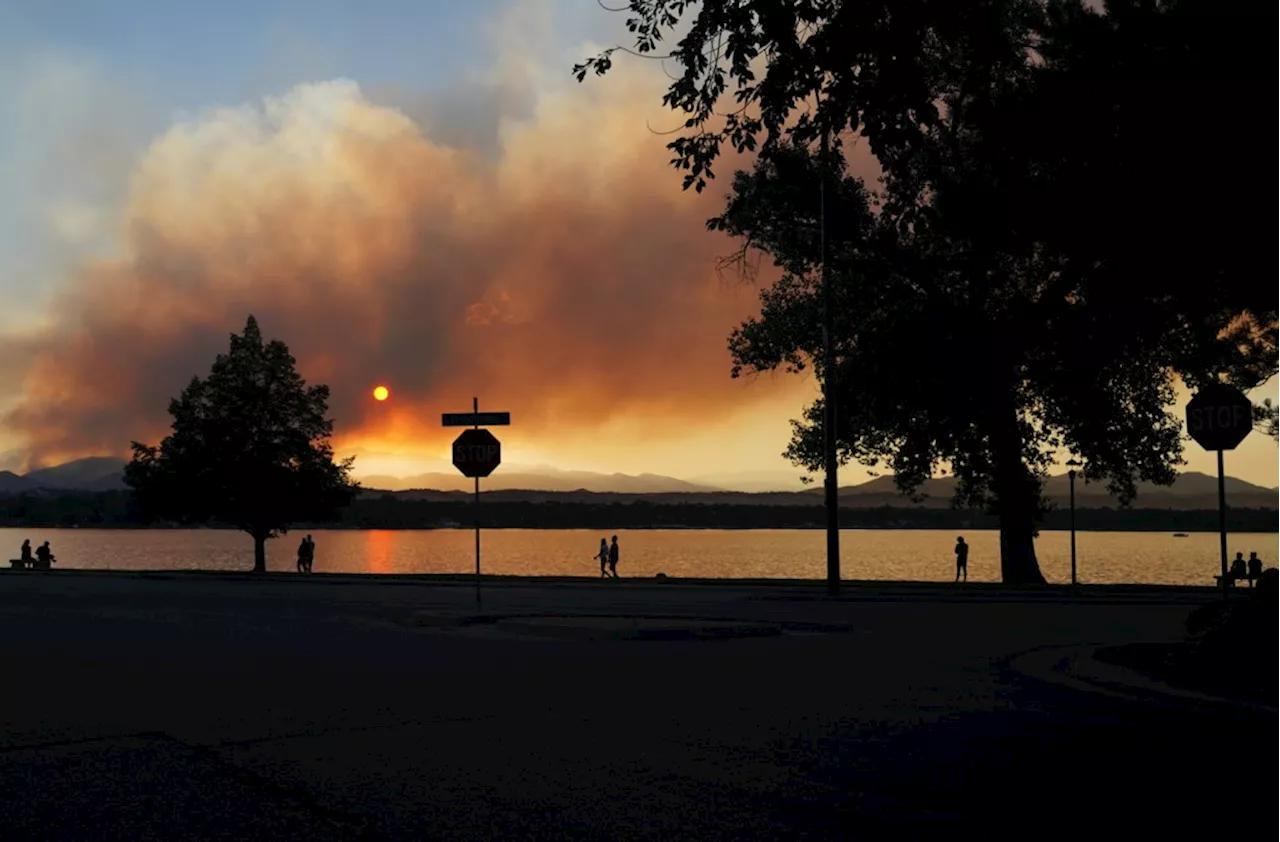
[(570, 281), (567, 280)]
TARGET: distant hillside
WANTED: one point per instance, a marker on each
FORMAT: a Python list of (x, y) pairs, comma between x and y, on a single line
[(753, 480), (118, 509), (1184, 495), (96, 473), (11, 483), (551, 480), (1191, 491)]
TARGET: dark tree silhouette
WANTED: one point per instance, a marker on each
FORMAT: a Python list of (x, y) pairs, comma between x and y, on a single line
[(1266, 419), (249, 447), (941, 365), (1043, 273), (873, 66)]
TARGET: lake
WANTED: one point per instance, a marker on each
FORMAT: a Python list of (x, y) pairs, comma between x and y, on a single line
[(919, 555)]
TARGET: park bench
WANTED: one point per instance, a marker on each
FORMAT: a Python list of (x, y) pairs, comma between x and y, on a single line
[(33, 564), (1232, 578)]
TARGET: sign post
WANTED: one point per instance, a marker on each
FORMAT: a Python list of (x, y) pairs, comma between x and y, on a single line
[(476, 453), (1218, 418), (1072, 464), (830, 465)]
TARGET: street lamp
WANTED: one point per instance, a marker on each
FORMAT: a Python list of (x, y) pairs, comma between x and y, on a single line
[(830, 465), (1072, 464)]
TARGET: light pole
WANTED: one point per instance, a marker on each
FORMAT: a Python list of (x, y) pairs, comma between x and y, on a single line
[(830, 481), (1071, 481)]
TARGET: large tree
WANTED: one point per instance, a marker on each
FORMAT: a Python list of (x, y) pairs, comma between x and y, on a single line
[(1018, 291), (250, 447), (1111, 137), (945, 359)]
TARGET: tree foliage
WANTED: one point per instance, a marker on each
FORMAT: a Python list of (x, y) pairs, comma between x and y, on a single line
[(795, 68), (945, 359), (250, 447), (1266, 419)]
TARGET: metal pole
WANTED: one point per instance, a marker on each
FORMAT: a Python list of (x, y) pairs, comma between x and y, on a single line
[(828, 390), (1071, 476), (1222, 522), (475, 408)]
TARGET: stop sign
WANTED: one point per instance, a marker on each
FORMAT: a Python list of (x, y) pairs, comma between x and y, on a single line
[(476, 453), (1219, 417)]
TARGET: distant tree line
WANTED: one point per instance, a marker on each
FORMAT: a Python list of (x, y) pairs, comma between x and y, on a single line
[(119, 509)]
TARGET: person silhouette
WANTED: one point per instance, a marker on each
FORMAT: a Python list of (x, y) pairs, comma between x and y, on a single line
[(603, 556), (1238, 568), (1255, 568), (44, 556), (302, 556), (962, 559), (613, 557), (311, 552), (26, 553)]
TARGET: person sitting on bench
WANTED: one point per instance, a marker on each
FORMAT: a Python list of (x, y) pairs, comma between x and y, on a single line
[(44, 556), (1236, 572), (1255, 568)]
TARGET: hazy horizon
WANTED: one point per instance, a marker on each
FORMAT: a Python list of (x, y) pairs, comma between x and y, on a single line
[(441, 476)]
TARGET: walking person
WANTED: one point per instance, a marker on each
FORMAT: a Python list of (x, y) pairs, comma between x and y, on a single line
[(603, 556), (613, 557), (962, 559), (302, 556), (311, 552)]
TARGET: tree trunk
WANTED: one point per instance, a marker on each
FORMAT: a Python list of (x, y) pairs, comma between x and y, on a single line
[(259, 552), (1017, 494), (1018, 563)]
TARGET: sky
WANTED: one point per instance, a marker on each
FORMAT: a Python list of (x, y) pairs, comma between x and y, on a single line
[(414, 194)]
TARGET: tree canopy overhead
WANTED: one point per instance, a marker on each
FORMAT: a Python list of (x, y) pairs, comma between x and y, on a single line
[(873, 66), (250, 447)]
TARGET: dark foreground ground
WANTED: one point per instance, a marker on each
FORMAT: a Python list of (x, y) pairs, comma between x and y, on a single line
[(203, 707)]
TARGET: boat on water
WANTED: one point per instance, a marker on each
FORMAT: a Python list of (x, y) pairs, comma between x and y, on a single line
[(1180, 535)]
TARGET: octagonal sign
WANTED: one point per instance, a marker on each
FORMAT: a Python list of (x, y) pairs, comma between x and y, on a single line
[(1219, 417), (476, 453)]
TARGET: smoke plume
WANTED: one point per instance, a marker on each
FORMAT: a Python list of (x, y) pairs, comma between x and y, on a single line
[(565, 278)]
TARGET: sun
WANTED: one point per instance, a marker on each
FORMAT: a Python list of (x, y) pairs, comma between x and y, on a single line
[(381, 393)]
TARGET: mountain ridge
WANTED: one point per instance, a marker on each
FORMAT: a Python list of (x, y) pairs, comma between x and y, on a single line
[(1191, 490)]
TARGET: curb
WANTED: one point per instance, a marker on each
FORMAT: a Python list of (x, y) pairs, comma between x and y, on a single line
[(626, 627), (1077, 668), (638, 628)]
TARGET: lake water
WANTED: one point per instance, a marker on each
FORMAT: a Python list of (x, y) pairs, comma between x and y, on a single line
[(919, 555)]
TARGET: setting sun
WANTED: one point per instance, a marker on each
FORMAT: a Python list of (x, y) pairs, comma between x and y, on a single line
[(381, 393)]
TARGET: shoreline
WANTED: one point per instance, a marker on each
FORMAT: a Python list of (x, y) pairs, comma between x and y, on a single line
[(107, 527), (865, 587)]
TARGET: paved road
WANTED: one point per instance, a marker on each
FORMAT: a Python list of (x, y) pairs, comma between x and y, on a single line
[(203, 707)]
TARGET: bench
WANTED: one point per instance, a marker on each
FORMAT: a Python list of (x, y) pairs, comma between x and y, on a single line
[(1232, 579), (32, 564)]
